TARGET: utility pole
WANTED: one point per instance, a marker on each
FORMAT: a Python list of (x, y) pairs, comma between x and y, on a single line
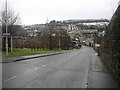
[(6, 30)]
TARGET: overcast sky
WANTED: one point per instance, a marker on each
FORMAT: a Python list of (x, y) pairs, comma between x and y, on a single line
[(37, 11)]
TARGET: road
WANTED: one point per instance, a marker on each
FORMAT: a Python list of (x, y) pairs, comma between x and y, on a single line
[(76, 69)]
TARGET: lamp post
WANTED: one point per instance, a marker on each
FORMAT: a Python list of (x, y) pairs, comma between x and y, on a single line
[(6, 31)]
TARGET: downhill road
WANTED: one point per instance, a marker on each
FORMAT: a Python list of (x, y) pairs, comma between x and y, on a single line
[(80, 68)]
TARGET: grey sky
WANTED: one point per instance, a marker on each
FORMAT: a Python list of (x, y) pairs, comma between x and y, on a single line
[(37, 11)]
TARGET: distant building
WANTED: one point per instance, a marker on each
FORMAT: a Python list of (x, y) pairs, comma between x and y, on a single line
[(75, 21)]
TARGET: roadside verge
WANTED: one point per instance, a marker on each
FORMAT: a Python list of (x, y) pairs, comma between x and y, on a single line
[(15, 59)]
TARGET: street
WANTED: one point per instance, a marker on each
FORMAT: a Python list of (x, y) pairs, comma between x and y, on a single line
[(80, 68)]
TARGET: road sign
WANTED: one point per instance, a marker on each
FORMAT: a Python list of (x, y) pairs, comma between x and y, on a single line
[(6, 34)]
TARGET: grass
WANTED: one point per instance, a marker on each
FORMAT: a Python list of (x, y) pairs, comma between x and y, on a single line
[(23, 52), (0, 53)]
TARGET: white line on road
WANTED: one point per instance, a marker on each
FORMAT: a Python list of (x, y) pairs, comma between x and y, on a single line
[(36, 68), (10, 78), (44, 65), (26, 71)]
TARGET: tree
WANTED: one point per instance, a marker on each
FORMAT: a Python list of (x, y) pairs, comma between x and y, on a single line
[(13, 22)]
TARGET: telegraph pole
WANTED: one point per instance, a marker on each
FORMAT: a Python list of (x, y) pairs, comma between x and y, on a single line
[(6, 29)]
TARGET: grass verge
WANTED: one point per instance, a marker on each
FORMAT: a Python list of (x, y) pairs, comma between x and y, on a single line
[(23, 52), (0, 53)]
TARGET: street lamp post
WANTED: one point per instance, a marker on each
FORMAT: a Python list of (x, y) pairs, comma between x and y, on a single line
[(6, 31)]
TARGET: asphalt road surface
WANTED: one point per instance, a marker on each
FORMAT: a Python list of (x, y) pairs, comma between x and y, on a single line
[(76, 69)]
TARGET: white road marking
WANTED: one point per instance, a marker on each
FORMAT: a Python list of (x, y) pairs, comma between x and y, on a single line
[(11, 78), (44, 65), (26, 71), (36, 68)]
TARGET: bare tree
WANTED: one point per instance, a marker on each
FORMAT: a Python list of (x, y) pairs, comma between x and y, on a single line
[(59, 39), (13, 22), (12, 18)]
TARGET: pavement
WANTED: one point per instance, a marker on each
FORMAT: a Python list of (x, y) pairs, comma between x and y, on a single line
[(14, 59)]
